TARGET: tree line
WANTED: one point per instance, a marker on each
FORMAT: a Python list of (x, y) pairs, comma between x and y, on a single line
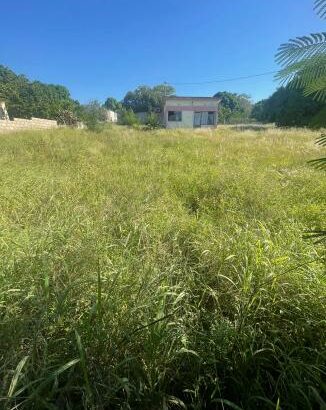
[(289, 107), (26, 99)]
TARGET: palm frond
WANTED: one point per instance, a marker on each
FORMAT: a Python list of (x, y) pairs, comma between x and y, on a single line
[(319, 163), (304, 67), (321, 140), (308, 68), (308, 75), (317, 88), (320, 7), (301, 48), (318, 234)]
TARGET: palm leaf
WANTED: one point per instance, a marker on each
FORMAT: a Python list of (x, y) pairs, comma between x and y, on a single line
[(319, 163), (321, 140), (318, 234), (308, 68), (308, 75), (304, 67), (317, 88), (320, 7), (301, 48)]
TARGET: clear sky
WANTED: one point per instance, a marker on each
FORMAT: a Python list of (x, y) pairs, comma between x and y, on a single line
[(103, 48)]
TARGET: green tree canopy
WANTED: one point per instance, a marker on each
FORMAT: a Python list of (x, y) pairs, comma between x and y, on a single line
[(112, 104), (233, 106), (147, 99), (26, 99), (288, 107)]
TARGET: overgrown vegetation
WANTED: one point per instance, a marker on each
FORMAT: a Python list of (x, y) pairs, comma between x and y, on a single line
[(233, 107), (93, 115), (161, 270), (128, 117), (153, 121)]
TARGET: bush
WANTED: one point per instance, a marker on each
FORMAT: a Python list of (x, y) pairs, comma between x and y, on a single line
[(128, 117), (93, 115), (153, 122), (67, 117)]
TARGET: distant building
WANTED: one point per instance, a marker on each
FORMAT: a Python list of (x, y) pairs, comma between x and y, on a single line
[(111, 116), (191, 112), (3, 111)]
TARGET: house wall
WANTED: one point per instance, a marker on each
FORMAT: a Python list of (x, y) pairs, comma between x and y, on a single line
[(111, 116), (188, 108), (187, 120)]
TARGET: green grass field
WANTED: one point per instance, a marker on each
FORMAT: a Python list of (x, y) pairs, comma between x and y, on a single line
[(161, 270)]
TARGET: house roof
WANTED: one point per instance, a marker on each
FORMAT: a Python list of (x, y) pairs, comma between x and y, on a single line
[(175, 97)]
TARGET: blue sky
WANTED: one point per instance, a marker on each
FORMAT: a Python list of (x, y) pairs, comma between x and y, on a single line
[(103, 48)]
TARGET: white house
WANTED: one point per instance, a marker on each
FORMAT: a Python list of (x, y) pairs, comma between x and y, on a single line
[(111, 116), (3, 111), (191, 112)]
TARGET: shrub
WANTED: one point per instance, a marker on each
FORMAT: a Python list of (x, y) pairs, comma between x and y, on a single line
[(93, 115), (67, 117), (153, 122), (128, 117)]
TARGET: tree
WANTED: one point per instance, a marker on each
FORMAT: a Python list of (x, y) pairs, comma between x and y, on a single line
[(288, 107), (147, 99), (233, 106), (259, 111), (304, 64), (112, 104), (92, 114), (25, 98)]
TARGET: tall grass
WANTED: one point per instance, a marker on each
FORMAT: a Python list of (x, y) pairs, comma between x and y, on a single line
[(161, 270)]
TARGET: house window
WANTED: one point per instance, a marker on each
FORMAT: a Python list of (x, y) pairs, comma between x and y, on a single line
[(174, 115), (204, 118)]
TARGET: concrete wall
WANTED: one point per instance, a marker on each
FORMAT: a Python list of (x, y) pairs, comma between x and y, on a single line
[(111, 116), (23, 124), (210, 103)]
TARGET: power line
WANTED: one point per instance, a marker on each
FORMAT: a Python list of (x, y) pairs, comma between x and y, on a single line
[(227, 79)]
